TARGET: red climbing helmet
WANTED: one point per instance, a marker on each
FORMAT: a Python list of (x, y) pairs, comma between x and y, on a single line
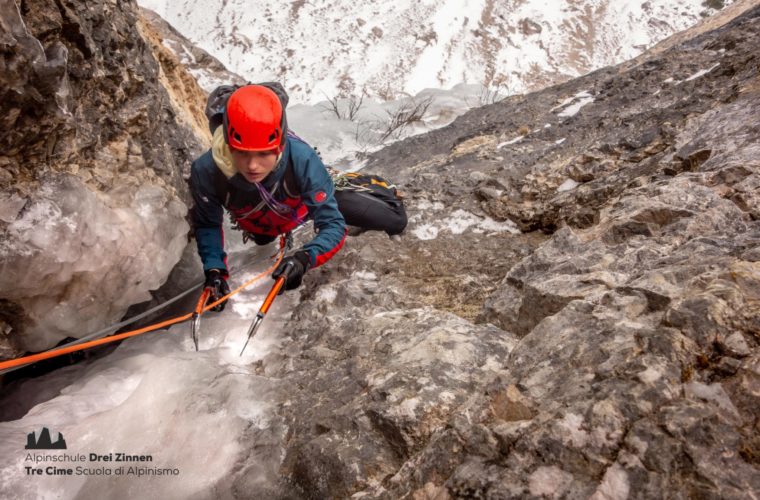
[(253, 120)]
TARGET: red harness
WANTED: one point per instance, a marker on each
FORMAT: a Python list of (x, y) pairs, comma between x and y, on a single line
[(268, 222)]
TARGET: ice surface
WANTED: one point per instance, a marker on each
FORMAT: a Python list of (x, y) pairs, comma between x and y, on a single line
[(153, 395), (77, 260)]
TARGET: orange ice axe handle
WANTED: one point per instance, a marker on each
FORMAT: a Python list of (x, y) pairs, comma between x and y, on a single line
[(278, 284)]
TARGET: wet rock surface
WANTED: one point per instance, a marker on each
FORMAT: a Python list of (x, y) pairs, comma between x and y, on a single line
[(572, 311), (94, 145)]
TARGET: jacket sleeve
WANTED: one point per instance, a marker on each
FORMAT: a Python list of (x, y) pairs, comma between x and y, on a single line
[(207, 216), (318, 194)]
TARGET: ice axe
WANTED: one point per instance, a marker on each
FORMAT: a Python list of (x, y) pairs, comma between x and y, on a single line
[(278, 284), (202, 301)]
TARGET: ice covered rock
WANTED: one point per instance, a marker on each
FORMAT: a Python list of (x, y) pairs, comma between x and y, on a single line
[(91, 173), (77, 261)]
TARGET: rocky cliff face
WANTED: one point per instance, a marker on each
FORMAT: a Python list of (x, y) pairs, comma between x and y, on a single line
[(205, 68), (607, 349), (93, 148)]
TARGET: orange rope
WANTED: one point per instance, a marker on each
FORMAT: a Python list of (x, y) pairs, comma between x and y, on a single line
[(33, 358)]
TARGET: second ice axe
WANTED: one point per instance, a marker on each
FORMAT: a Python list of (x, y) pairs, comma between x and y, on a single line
[(278, 284)]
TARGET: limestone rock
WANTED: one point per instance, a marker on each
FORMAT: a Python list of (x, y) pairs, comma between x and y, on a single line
[(622, 320)]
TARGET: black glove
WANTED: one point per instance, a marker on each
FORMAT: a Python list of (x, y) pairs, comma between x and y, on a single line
[(217, 282), (299, 264)]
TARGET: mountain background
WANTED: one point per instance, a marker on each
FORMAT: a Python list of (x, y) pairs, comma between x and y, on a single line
[(331, 48)]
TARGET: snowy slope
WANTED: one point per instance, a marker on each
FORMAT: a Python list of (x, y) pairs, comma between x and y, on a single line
[(330, 47)]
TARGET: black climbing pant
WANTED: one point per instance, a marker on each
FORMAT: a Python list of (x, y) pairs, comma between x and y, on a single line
[(370, 212)]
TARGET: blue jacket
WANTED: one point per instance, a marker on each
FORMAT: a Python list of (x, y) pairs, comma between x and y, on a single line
[(312, 197)]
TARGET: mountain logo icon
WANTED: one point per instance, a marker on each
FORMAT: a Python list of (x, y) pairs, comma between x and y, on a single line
[(42, 441)]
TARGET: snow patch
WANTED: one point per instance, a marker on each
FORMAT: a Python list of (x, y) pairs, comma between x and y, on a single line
[(578, 101), (427, 205), (568, 185), (425, 232), (366, 275), (562, 104), (461, 220), (341, 141), (701, 73), (326, 293), (512, 141), (489, 225)]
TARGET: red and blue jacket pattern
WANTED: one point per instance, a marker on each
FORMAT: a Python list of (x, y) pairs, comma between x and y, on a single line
[(311, 195)]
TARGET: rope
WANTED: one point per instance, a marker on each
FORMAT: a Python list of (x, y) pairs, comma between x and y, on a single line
[(112, 328), (134, 319), (33, 358)]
